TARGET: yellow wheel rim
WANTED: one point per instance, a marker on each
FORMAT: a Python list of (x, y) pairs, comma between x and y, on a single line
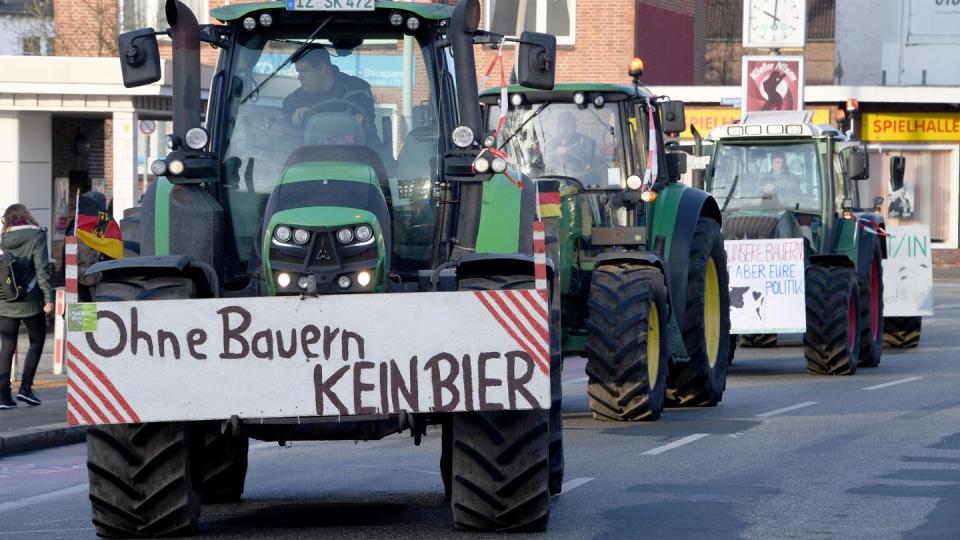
[(711, 312), (653, 346)]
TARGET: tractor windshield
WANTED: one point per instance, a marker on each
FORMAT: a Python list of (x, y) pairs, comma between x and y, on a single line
[(785, 176), (565, 140), (339, 90)]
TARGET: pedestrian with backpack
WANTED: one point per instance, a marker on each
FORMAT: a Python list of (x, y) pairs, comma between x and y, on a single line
[(26, 297)]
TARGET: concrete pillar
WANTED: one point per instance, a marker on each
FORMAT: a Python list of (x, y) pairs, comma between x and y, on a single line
[(125, 134), (26, 169)]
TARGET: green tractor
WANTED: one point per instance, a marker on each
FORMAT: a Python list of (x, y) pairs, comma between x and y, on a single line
[(369, 189), (777, 175), (643, 274)]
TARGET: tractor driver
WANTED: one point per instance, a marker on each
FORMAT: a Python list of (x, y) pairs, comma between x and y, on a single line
[(322, 82), (781, 182), (570, 153)]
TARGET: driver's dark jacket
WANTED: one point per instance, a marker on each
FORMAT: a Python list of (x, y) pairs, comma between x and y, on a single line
[(352, 88)]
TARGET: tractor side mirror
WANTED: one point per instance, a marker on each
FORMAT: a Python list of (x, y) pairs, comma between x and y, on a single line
[(897, 166), (858, 164), (537, 63), (672, 118), (139, 57)]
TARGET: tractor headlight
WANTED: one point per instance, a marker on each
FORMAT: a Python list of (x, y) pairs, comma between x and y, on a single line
[(196, 138), (396, 19), (158, 167), (283, 234), (344, 282), (499, 165), (303, 283), (175, 167), (516, 100), (301, 236), (363, 279), (599, 101), (364, 233), (249, 24), (266, 20), (413, 24), (579, 99), (283, 280), (634, 182), (345, 235), (462, 137), (481, 165)]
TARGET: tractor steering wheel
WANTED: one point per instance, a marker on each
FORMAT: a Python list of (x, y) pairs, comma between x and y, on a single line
[(333, 105)]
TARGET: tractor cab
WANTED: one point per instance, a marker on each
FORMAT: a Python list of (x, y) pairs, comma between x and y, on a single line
[(777, 175)]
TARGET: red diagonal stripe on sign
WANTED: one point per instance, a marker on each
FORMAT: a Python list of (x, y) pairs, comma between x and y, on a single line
[(96, 391), (481, 295), (72, 403), (82, 396), (536, 305), (71, 419), (103, 379), (517, 322), (536, 323)]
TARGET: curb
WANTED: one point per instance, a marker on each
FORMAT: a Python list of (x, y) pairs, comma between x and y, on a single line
[(37, 438)]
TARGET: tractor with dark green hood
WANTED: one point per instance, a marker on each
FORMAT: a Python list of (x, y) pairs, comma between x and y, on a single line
[(643, 274), (368, 188)]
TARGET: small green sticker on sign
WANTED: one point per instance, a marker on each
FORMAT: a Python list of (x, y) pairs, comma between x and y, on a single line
[(82, 318)]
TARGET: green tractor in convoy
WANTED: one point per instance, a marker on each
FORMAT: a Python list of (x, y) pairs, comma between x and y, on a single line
[(370, 193), (643, 274), (777, 175)]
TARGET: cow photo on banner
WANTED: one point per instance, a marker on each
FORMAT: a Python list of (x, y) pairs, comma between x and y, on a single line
[(772, 83)]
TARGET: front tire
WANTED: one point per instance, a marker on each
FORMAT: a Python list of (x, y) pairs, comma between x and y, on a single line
[(500, 461), (142, 479), (902, 332), (871, 310), (627, 342), (701, 381), (831, 344), (224, 464)]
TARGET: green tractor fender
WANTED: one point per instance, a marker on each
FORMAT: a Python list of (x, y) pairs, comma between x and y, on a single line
[(674, 221)]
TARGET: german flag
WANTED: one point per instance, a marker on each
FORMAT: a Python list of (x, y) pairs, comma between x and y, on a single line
[(548, 199), (97, 229)]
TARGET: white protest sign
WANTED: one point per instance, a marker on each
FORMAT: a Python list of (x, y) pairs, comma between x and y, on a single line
[(289, 357), (766, 286), (908, 272)]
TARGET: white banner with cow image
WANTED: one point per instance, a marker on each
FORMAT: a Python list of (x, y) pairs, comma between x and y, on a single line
[(334, 355), (766, 286)]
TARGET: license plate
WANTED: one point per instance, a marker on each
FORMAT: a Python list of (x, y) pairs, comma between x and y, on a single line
[(330, 5)]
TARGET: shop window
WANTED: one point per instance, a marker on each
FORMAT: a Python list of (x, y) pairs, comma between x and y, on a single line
[(929, 195), (557, 17), (136, 14), (31, 46)]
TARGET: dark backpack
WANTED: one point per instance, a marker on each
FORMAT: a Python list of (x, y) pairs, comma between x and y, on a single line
[(16, 277)]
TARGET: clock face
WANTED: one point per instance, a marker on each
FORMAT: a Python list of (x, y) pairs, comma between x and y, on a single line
[(774, 23)]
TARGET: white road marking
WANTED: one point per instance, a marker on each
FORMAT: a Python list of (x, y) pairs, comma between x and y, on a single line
[(787, 409), (573, 484), (577, 381), (892, 383), (29, 501), (676, 444)]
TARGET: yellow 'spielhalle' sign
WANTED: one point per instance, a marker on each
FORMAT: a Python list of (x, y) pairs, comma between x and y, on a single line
[(911, 127)]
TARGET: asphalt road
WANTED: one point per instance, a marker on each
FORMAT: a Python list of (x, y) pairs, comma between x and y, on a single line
[(786, 455)]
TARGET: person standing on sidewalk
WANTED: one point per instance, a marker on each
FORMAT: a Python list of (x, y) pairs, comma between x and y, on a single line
[(23, 238)]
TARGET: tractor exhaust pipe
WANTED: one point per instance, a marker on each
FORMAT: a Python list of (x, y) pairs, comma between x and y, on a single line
[(185, 33), (464, 21)]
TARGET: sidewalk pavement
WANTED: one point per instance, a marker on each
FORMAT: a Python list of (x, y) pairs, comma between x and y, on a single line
[(26, 428)]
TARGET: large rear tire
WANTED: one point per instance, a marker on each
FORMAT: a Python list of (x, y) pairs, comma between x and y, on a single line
[(701, 380), (902, 332), (871, 310), (142, 479), (224, 464), (831, 344), (627, 342), (500, 461)]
